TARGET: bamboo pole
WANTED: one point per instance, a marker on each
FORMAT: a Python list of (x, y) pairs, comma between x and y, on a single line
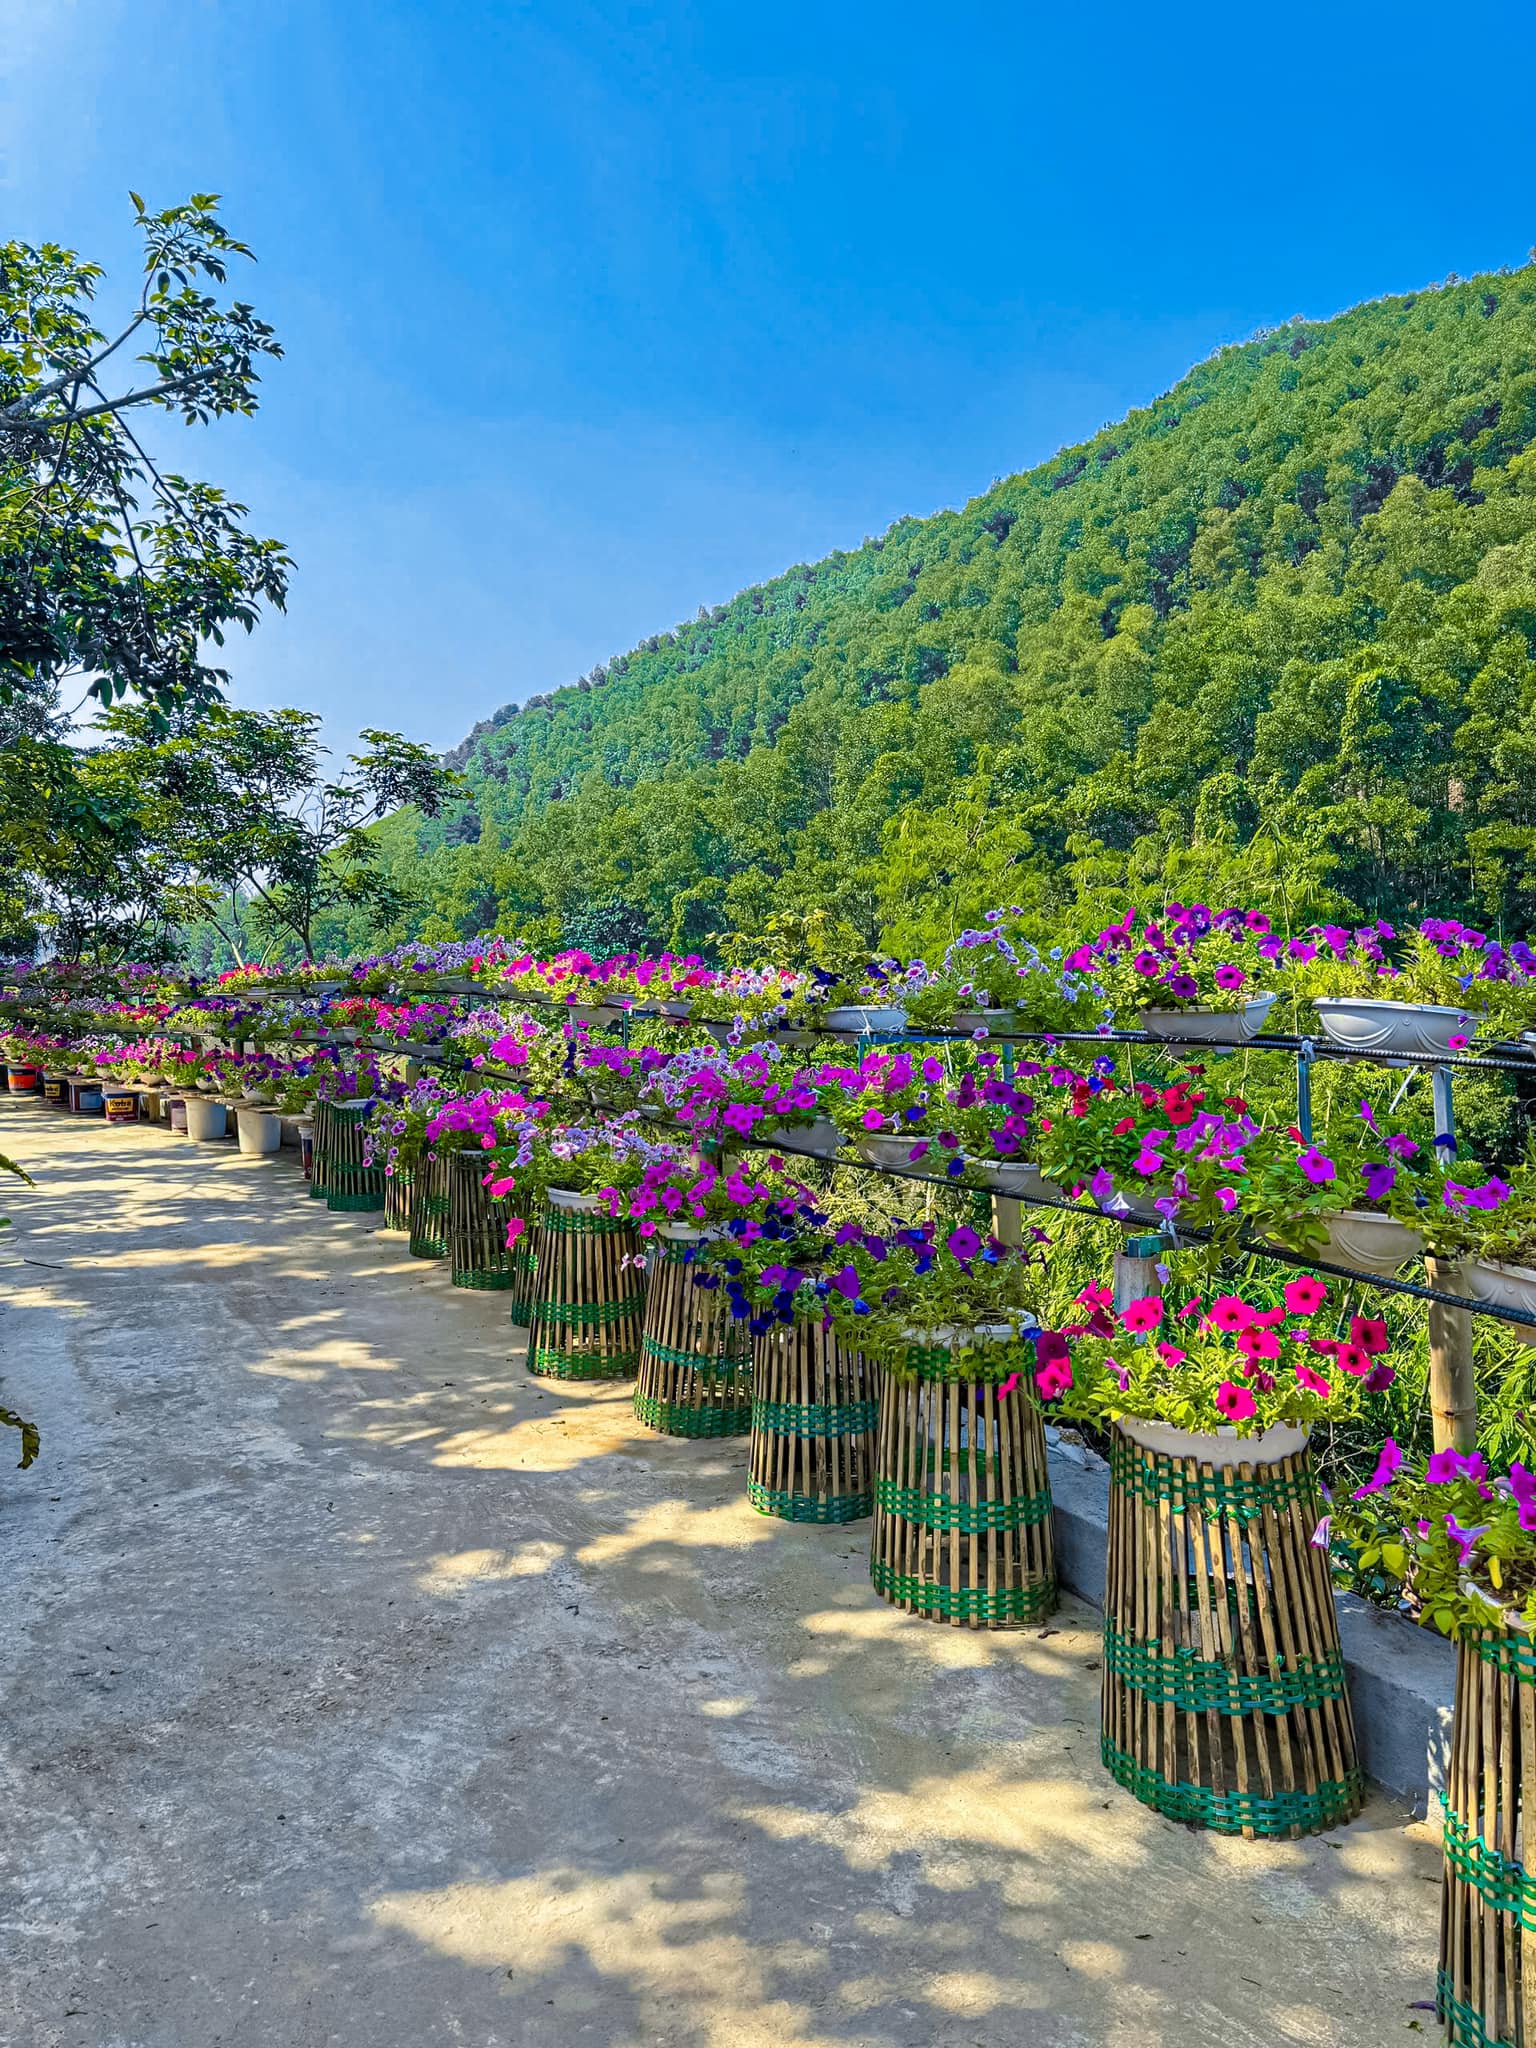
[(1452, 1381)]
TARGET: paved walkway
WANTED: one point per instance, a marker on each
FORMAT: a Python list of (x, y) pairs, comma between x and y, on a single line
[(358, 1691)]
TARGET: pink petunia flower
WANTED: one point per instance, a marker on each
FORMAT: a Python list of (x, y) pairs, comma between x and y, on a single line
[(1234, 1402), (1144, 1314)]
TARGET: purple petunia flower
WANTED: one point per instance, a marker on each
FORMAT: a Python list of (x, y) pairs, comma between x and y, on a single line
[(1388, 1465)]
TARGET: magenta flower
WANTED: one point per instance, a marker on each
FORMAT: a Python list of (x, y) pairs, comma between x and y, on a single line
[(1229, 977), (1465, 1540), (1449, 1465), (1235, 1403), (1389, 1463), (1317, 1167), (1230, 1312), (1144, 1314), (1314, 1381), (1053, 1379), (1522, 1484), (1257, 1343), (1305, 1295)]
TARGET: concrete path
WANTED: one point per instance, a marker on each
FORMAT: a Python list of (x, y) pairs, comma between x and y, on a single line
[(357, 1689)]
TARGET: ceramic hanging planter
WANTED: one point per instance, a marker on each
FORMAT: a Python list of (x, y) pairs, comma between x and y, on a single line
[(1411, 1030)]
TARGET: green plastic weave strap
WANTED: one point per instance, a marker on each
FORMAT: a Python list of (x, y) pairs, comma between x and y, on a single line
[(1498, 1880), (809, 1507), (584, 1223), (1463, 2023), (588, 1315), (816, 1418), (1034, 1600), (1228, 1813), (316, 1187), (1514, 1655), (938, 1362), (676, 1418), (434, 1205), (522, 1314), (717, 1362), (970, 1517), (1215, 1490), (575, 1365), (1181, 1678), (485, 1281), (427, 1247)]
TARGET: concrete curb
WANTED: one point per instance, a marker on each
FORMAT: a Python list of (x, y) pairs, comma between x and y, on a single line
[(1401, 1678)]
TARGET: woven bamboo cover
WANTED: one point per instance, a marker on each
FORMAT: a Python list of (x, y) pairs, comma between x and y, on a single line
[(477, 1228), (320, 1150), (350, 1185), (429, 1209), (399, 1187), (813, 1427), (1487, 1986), (695, 1366), (1224, 1699), (962, 1501), (591, 1298)]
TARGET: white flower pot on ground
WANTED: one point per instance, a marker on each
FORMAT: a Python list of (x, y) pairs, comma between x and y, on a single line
[(1411, 1030), (1209, 1026), (258, 1130), (206, 1120), (1223, 1448)]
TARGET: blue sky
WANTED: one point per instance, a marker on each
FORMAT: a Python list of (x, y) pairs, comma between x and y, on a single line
[(597, 312)]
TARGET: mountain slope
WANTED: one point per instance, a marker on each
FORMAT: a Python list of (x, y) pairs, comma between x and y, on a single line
[(1273, 632)]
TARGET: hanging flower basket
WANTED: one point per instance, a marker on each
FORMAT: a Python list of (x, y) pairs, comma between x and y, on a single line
[(1371, 1242), (1197, 1026), (1412, 1030), (477, 1228), (962, 1498), (1502, 1286), (591, 1294), (813, 1424), (820, 1139), (1486, 1991), (695, 1366), (429, 1208), (1224, 1698), (862, 1019)]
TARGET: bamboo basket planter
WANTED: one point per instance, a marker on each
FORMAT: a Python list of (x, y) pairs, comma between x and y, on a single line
[(813, 1427), (398, 1189), (591, 1297), (524, 1291), (351, 1187), (477, 1227), (429, 1208), (962, 1500), (1486, 1995), (1224, 1697), (695, 1366), (320, 1150)]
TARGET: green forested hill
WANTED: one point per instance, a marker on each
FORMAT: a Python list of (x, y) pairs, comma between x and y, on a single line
[(1272, 635)]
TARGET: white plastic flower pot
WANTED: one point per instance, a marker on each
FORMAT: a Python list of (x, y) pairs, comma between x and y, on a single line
[(584, 1205), (680, 1233), (1209, 1026), (892, 1150), (864, 1017), (1371, 1243), (206, 1120), (1223, 1448), (821, 1138), (980, 1020), (1019, 1180), (960, 1337), (1501, 1286), (1412, 1030), (258, 1130)]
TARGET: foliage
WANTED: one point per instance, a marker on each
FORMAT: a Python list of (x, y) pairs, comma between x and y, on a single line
[(1269, 639)]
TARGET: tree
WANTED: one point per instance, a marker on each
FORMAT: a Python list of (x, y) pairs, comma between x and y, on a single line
[(264, 844), (112, 569)]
